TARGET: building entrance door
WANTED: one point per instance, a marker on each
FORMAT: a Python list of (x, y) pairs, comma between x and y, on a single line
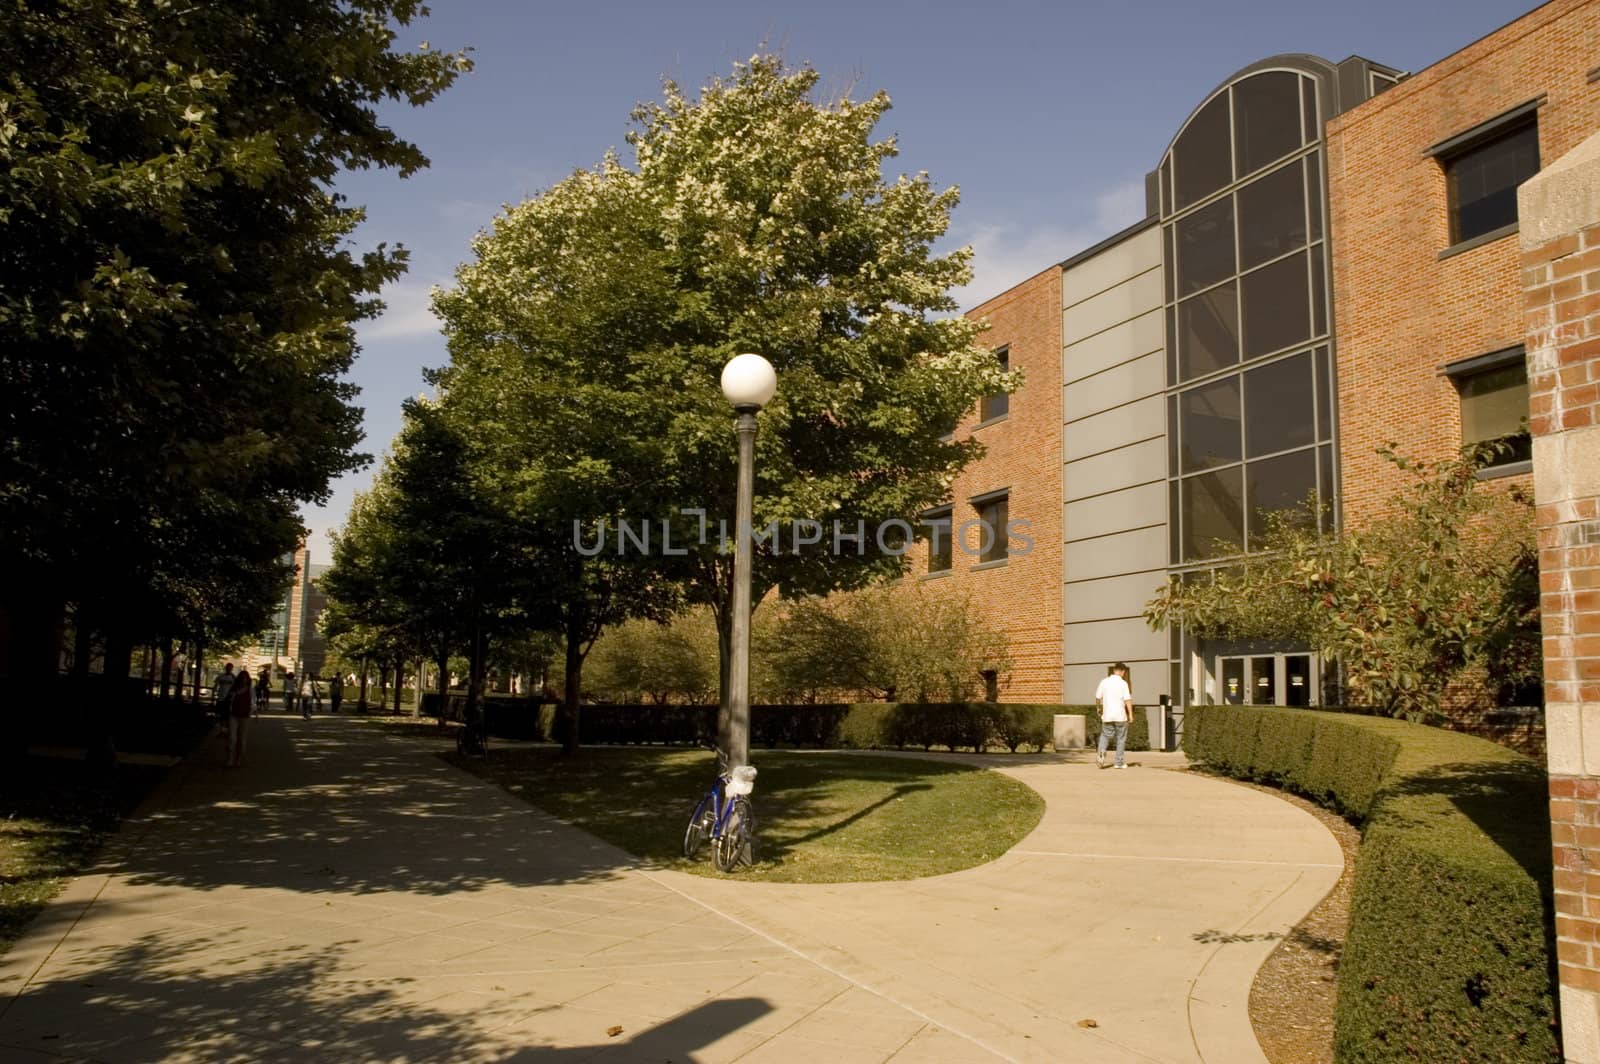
[(1266, 679)]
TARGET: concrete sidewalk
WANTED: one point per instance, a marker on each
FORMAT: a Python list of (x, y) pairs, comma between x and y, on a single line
[(347, 896)]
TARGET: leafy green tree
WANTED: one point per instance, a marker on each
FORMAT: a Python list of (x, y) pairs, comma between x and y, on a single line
[(893, 642), (177, 293), (1443, 590), (590, 331), (661, 662)]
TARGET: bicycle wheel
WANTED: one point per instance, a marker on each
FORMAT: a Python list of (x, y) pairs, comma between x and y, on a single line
[(699, 829), (737, 843)]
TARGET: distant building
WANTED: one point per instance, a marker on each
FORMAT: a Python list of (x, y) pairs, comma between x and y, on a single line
[(293, 643)]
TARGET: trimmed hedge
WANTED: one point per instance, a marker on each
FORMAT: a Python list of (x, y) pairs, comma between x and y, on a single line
[(976, 726), (1449, 952)]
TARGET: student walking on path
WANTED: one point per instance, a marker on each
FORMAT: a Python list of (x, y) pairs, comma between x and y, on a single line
[(243, 704), (1116, 709)]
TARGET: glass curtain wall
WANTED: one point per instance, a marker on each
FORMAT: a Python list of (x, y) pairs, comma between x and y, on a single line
[(1250, 400)]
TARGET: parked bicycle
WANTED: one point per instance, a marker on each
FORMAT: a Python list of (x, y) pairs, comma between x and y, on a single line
[(724, 818)]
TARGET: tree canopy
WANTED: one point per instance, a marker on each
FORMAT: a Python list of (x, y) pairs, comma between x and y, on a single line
[(178, 290), (588, 334)]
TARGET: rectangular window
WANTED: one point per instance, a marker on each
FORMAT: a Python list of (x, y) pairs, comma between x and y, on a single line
[(993, 539), (1209, 424), (999, 404), (1494, 404), (1483, 181), (1213, 514), (934, 529)]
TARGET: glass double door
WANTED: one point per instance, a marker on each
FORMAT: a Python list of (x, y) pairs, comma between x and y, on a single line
[(1266, 680)]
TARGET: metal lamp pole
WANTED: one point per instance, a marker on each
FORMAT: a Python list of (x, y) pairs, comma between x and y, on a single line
[(749, 382)]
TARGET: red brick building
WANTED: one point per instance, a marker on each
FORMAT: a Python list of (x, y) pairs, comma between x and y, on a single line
[(1428, 302), (1018, 480)]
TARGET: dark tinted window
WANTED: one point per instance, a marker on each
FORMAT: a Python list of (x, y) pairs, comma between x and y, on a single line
[(1213, 511), (1209, 417), (1313, 121), (1284, 484), (1277, 308), (1200, 156), (1278, 403), (1325, 486), (1319, 298), (1266, 118), (1313, 165), (995, 514), (1205, 247), (1494, 407), (1324, 396), (993, 406), (935, 530), (1208, 332), (1484, 180), (1174, 544), (1272, 216)]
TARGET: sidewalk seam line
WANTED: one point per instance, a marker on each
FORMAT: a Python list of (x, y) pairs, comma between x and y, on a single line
[(1180, 860), (830, 969)]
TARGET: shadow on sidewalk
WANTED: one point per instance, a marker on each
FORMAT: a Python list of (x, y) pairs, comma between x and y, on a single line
[(326, 806), (147, 1001)]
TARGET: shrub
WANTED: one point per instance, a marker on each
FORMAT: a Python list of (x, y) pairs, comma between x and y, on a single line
[(1449, 950), (976, 726)]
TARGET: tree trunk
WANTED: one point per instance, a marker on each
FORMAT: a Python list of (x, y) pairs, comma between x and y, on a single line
[(567, 727), (443, 662), (361, 703), (166, 668), (399, 681), (199, 669)]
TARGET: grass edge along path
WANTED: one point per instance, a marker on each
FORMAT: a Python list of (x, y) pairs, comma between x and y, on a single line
[(821, 817), (55, 814)]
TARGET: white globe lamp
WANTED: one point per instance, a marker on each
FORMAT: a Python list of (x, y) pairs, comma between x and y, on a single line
[(749, 382)]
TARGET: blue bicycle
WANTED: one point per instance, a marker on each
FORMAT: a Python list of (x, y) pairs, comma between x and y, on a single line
[(724, 818)]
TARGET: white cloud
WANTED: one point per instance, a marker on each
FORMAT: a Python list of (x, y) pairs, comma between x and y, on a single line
[(1007, 253), (406, 315)]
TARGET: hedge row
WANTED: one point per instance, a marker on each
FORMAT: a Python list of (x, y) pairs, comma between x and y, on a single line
[(1449, 952), (973, 726)]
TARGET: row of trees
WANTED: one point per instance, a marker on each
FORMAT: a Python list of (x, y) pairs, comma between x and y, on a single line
[(178, 295), (886, 642), (586, 340)]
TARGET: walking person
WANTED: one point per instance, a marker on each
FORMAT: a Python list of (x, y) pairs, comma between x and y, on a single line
[(1115, 699), (290, 689), (308, 694), (243, 702), (336, 691), (263, 689), (222, 691)]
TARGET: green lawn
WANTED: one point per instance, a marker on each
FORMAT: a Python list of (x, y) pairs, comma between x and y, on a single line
[(54, 814), (821, 818)]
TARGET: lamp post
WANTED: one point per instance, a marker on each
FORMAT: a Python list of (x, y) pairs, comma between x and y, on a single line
[(749, 382)]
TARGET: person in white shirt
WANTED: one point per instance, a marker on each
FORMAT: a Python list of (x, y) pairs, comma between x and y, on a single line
[(1115, 699)]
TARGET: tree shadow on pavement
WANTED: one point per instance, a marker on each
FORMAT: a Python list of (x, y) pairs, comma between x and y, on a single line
[(148, 1000), (338, 808)]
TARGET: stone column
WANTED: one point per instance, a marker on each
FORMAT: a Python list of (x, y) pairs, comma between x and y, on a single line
[(1559, 214)]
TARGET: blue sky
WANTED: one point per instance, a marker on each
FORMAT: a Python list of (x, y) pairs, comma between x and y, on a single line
[(1046, 115)]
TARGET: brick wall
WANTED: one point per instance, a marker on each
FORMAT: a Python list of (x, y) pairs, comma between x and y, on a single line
[(1400, 311), (1021, 598), (1560, 240)]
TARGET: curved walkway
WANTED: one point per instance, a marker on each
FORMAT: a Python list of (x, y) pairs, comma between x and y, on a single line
[(347, 896)]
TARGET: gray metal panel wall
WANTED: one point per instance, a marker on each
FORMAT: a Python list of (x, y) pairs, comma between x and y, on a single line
[(1114, 476)]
